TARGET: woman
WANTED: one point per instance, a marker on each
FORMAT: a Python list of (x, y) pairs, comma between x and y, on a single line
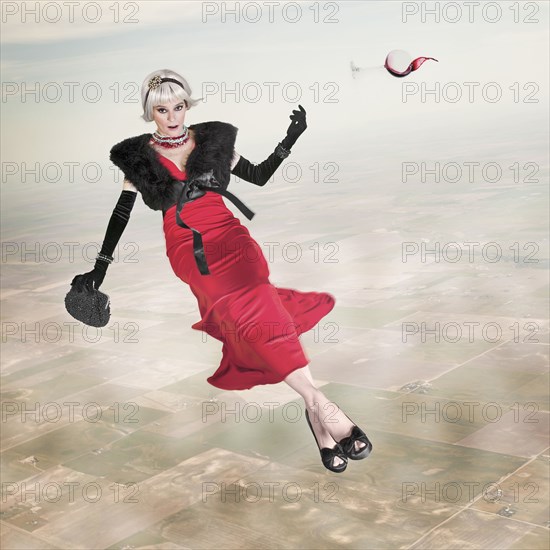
[(184, 171)]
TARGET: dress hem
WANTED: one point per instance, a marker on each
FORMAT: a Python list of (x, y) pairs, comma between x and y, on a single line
[(255, 384)]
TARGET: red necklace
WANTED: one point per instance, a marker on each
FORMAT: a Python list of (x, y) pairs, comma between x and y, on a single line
[(170, 142)]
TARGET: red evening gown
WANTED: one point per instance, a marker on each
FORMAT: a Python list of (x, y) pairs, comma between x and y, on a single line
[(259, 324)]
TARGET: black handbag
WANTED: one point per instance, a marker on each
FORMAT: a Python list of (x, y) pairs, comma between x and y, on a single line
[(89, 307)]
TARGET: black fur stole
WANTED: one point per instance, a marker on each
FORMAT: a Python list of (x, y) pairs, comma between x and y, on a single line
[(213, 152)]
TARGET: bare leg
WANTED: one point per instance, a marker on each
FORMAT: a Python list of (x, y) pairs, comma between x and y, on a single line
[(329, 423)]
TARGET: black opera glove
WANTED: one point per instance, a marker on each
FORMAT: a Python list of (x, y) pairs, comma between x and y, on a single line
[(296, 129), (115, 228), (260, 174)]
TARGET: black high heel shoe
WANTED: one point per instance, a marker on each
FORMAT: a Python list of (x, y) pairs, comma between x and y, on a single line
[(348, 443), (328, 455)]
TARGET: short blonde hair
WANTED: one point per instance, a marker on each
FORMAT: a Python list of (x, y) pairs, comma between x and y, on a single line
[(165, 93)]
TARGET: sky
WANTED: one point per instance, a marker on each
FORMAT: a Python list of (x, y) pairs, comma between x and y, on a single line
[(306, 49)]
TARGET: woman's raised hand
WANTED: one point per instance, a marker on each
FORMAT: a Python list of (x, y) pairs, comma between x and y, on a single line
[(296, 128)]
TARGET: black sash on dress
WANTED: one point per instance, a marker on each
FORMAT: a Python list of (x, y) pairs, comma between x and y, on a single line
[(193, 190)]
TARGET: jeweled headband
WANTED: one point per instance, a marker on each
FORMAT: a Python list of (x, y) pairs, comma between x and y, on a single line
[(156, 81)]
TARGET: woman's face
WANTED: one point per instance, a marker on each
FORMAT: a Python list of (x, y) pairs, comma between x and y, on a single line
[(169, 118)]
